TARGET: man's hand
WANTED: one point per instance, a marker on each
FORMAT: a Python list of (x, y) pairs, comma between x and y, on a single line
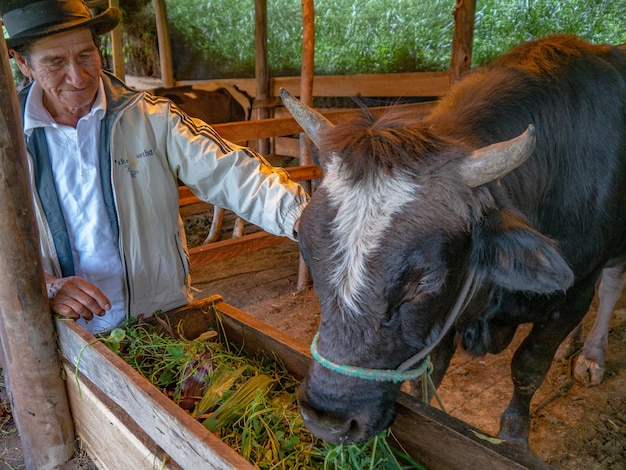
[(74, 297)]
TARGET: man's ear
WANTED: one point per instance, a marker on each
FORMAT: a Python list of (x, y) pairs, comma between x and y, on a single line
[(21, 63), (515, 256)]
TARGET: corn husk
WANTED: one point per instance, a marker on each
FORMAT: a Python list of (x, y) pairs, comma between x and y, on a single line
[(235, 405), (221, 383)]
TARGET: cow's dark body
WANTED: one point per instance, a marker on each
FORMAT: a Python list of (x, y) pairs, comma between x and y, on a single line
[(213, 104), (565, 206)]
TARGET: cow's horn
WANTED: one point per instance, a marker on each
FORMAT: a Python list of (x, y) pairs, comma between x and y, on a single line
[(495, 161), (310, 120)]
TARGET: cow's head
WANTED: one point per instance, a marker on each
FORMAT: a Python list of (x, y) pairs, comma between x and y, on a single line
[(401, 222)]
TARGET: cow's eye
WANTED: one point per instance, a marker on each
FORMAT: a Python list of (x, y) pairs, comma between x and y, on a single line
[(430, 282), (414, 292), (425, 285)]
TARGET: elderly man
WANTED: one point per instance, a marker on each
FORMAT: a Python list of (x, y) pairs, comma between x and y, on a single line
[(104, 162)]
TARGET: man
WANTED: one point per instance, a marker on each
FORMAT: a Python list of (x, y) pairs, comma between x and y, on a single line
[(104, 161)]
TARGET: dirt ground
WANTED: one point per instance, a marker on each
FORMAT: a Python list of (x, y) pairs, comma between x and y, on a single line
[(573, 427)]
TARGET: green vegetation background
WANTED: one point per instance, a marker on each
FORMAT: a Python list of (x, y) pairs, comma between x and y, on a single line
[(215, 38)]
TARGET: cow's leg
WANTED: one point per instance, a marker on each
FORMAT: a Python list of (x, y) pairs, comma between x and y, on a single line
[(590, 365), (531, 363), (216, 226), (571, 344), (238, 228)]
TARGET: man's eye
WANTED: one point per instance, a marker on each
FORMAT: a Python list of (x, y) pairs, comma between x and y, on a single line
[(54, 63)]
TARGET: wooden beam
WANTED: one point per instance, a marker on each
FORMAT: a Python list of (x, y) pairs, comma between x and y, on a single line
[(165, 47), (307, 69), (217, 251), (428, 84), (394, 84), (245, 244), (422, 430), (307, 76), (108, 435), (304, 172), (30, 359), (287, 146), (249, 130), (116, 46), (307, 72), (463, 38), (296, 173), (261, 69)]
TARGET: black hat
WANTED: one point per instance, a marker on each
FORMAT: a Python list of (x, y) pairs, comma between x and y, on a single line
[(29, 20)]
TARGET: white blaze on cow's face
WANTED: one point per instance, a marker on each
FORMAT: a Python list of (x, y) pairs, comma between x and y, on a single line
[(364, 211)]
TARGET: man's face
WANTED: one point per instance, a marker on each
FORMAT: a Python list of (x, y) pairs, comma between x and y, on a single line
[(67, 66)]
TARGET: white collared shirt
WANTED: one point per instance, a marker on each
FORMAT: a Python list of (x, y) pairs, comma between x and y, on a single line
[(76, 169)]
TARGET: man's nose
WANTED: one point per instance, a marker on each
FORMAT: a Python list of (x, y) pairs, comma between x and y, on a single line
[(76, 74)]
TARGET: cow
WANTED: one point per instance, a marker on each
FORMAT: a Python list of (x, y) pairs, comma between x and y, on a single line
[(500, 206), (213, 103)]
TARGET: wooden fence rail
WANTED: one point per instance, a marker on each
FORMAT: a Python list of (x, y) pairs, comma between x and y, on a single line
[(417, 84), (251, 130)]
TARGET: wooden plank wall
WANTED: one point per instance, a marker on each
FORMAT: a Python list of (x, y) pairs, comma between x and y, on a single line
[(421, 84)]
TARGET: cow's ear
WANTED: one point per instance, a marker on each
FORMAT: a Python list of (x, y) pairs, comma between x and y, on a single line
[(512, 254)]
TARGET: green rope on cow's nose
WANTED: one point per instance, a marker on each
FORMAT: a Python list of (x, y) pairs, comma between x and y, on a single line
[(381, 375)]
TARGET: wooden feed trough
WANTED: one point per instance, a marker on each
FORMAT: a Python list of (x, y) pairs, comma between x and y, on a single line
[(126, 422)]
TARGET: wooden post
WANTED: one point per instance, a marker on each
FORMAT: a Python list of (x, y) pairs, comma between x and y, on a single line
[(462, 41), (165, 47), (30, 359), (261, 68), (307, 69), (307, 73), (116, 46)]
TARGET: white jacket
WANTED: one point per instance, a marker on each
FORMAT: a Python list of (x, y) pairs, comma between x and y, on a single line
[(147, 144)]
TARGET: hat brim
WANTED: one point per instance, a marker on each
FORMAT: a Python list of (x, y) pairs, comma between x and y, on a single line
[(101, 24)]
